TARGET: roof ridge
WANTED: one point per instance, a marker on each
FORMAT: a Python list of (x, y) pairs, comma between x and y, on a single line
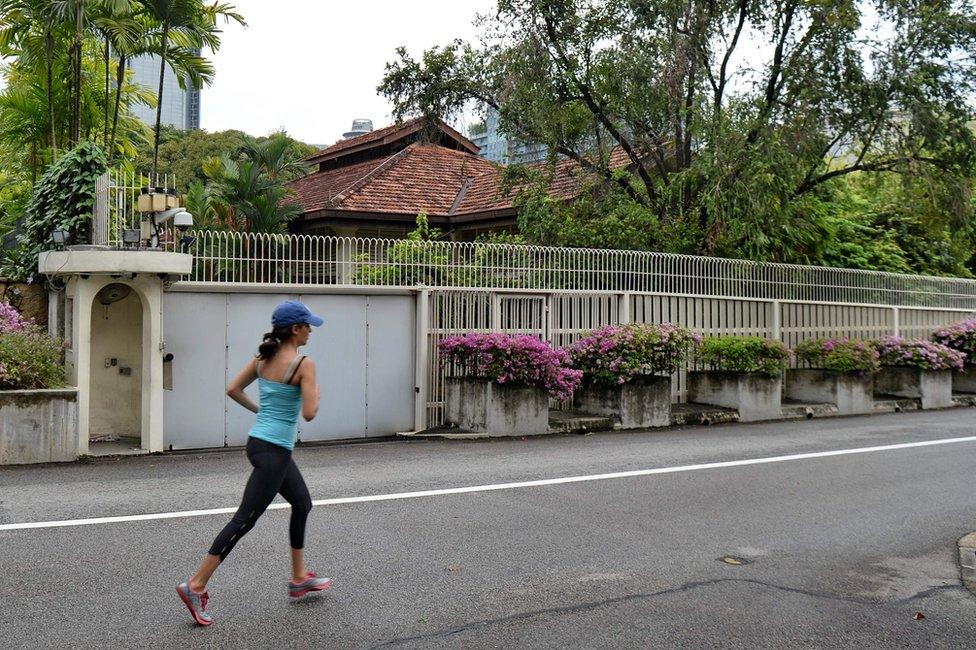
[(370, 175), (468, 181)]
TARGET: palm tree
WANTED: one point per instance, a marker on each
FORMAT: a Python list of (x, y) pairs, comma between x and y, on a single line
[(118, 28), (185, 27), (274, 156), (23, 125), (31, 30)]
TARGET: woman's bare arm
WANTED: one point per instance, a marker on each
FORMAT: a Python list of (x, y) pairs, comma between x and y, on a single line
[(310, 389), (244, 379)]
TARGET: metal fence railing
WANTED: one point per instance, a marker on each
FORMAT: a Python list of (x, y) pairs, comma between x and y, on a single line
[(563, 317), (321, 260), (116, 201)]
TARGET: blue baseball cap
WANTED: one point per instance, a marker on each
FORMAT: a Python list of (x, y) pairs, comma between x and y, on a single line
[(292, 312)]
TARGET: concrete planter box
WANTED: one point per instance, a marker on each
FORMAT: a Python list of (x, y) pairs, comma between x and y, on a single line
[(851, 393), (965, 381), (483, 406), (755, 396), (641, 403), (932, 387), (38, 426)]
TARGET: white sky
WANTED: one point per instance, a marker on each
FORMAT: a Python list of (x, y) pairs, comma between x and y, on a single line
[(312, 66)]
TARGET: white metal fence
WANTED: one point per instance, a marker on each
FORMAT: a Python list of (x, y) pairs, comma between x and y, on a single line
[(116, 195), (559, 294), (317, 260)]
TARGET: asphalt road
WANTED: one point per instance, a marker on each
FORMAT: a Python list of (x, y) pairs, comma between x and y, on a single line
[(836, 551)]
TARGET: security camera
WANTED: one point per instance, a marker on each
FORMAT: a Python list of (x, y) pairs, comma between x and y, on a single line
[(183, 220), (180, 217)]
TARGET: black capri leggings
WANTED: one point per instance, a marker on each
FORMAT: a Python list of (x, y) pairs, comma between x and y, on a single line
[(274, 473)]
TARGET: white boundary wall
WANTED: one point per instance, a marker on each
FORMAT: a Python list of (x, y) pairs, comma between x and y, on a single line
[(390, 303)]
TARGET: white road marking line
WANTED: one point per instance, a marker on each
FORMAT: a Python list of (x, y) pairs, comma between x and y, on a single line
[(493, 487)]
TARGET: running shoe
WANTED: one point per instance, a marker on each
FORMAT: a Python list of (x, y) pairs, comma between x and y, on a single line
[(196, 603), (310, 583)]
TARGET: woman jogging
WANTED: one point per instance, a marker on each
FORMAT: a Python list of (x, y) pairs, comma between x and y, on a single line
[(286, 381)]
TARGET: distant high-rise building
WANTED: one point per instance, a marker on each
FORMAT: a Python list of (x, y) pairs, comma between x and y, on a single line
[(181, 108), (498, 148), (359, 127)]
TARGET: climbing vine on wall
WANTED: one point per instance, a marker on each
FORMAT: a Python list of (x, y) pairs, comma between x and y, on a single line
[(62, 200)]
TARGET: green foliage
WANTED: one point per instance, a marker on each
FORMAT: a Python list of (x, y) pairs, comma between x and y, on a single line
[(839, 355), (62, 200), (745, 354), (185, 154), (687, 146), (14, 195), (409, 262), (185, 27), (254, 188), (30, 359), (26, 123)]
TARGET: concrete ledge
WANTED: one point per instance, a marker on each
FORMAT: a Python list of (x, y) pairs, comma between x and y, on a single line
[(573, 422), (640, 403), (488, 408), (110, 262), (795, 410), (933, 388), (38, 426), (964, 399), (687, 414), (967, 561)]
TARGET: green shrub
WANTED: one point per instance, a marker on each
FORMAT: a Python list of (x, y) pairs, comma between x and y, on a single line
[(839, 355), (30, 359), (62, 200), (745, 354)]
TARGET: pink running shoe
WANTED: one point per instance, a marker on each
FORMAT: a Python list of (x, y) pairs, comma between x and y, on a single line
[(196, 603), (310, 583)]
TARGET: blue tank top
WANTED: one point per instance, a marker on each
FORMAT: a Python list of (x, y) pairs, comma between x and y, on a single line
[(278, 407)]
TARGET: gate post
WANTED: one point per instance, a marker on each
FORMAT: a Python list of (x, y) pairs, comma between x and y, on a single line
[(777, 320), (422, 355), (895, 321), (623, 309)]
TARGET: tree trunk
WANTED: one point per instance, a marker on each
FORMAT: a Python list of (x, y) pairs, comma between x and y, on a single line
[(76, 100), (119, 79), (159, 101), (105, 104), (49, 63)]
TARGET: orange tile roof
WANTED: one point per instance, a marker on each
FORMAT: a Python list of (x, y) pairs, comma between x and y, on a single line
[(420, 178), (568, 180), (315, 192), (385, 135), (429, 178)]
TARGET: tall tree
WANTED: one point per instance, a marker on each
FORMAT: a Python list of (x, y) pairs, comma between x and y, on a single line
[(719, 127), (31, 30), (254, 186), (185, 26)]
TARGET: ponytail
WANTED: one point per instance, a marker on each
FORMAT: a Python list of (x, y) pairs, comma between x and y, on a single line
[(272, 341)]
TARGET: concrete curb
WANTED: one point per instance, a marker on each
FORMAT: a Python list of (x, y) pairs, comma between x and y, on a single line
[(967, 561)]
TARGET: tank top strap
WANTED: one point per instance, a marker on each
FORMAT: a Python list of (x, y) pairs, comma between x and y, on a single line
[(293, 368)]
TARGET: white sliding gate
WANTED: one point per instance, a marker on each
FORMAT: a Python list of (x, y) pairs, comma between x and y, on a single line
[(364, 356)]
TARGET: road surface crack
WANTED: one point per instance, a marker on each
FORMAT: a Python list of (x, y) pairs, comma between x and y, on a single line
[(688, 586)]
